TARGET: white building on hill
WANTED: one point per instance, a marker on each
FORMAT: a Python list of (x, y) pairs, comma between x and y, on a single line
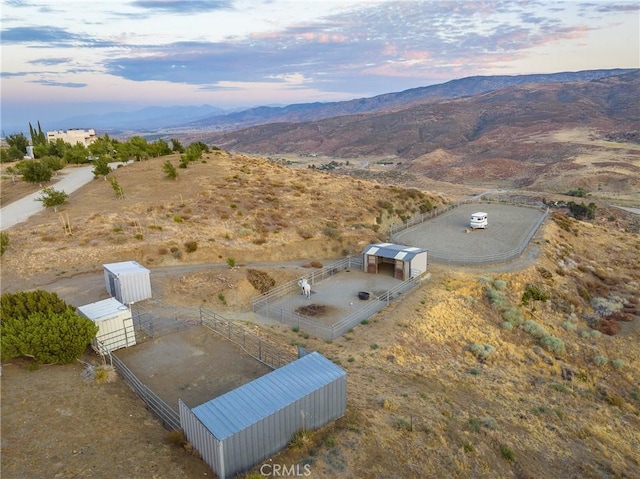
[(73, 136)]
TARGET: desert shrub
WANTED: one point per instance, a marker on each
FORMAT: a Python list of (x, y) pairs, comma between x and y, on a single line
[(595, 333), (176, 438), (177, 219), (533, 292), (605, 326), (534, 329), (489, 422), (553, 344), (102, 374), (301, 439), (507, 453), (162, 250), (482, 351), (231, 262), (497, 298), (513, 315), (4, 242), (601, 360), (316, 264), (305, 232), (506, 325), (331, 232), (617, 363), (568, 326), (138, 236), (191, 246), (499, 284), (260, 280)]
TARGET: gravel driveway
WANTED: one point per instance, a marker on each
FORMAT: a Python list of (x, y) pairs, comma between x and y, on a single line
[(448, 239)]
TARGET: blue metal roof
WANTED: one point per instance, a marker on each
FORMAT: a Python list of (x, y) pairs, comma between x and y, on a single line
[(395, 251), (260, 398)]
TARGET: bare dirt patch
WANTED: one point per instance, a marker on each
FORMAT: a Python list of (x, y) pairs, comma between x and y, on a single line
[(195, 365), (312, 310)]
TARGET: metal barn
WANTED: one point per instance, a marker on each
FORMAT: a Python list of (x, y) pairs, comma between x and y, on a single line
[(115, 325), (245, 426), (127, 281), (401, 262)]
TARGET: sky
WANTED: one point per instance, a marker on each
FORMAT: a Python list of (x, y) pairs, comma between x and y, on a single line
[(65, 58)]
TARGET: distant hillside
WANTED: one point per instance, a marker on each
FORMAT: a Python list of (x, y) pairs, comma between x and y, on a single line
[(453, 89), (512, 137), (145, 119), (414, 131)]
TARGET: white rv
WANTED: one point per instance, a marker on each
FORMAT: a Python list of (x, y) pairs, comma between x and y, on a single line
[(479, 220)]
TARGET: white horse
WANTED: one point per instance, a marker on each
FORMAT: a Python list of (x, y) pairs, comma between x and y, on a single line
[(306, 287)]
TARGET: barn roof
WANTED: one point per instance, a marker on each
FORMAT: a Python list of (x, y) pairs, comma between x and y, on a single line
[(262, 397), (125, 267), (394, 251)]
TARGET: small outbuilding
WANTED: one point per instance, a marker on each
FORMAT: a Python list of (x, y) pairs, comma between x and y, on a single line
[(245, 426), (115, 325), (127, 281), (402, 262)]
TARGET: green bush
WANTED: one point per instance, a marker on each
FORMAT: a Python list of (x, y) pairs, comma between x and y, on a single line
[(533, 292), (569, 326), (507, 453), (534, 329), (22, 304), (507, 325), (553, 344), (40, 325)]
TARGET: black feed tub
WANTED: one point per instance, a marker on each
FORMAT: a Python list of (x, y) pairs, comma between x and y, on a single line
[(363, 295)]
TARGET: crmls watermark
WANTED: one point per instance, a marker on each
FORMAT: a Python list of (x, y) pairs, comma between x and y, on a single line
[(282, 470)]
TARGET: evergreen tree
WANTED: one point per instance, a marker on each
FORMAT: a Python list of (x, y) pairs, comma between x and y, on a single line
[(169, 170)]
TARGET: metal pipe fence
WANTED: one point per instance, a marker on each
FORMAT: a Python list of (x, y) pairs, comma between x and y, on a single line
[(253, 345), (169, 417), (329, 333), (261, 302)]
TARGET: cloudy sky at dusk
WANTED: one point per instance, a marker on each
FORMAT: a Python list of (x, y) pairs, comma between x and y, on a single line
[(64, 58)]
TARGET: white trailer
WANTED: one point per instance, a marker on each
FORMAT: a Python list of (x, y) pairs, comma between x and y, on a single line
[(479, 220)]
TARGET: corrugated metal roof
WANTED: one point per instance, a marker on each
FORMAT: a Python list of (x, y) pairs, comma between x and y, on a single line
[(248, 404), (125, 267), (395, 251), (105, 309)]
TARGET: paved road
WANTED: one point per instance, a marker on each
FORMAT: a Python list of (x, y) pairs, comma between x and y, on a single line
[(20, 210)]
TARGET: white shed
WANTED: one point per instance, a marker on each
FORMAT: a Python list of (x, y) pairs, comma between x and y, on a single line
[(127, 281), (115, 325), (402, 262)]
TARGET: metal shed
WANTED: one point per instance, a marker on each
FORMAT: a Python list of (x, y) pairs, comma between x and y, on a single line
[(245, 426), (115, 325), (127, 281), (401, 262)]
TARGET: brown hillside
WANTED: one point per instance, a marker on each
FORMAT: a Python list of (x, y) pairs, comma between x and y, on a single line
[(227, 206)]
